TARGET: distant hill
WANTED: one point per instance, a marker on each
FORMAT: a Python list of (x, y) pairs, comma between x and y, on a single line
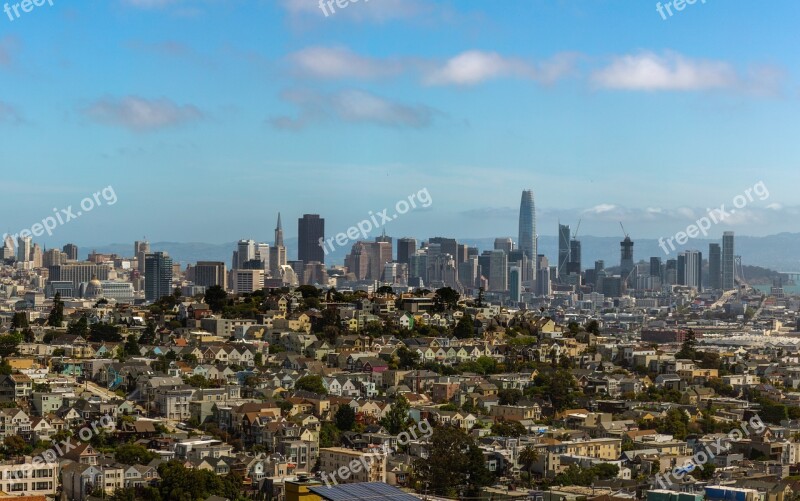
[(775, 252)]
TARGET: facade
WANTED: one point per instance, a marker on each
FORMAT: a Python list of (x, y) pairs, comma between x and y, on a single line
[(406, 247), (71, 250), (210, 273), (693, 269), (563, 249), (38, 480), (334, 459), (310, 232)]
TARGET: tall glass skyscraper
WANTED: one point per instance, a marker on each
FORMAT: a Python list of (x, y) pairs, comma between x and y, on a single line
[(527, 225), (728, 271), (564, 236)]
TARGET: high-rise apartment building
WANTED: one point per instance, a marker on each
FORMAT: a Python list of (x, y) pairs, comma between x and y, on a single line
[(310, 232), (693, 269), (157, 275), (515, 284)]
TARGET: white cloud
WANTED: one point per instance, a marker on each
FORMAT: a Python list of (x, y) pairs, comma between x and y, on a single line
[(600, 209), (353, 106), (338, 62), (141, 114), (673, 72)]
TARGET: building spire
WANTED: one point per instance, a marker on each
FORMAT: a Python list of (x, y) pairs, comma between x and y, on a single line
[(279, 233)]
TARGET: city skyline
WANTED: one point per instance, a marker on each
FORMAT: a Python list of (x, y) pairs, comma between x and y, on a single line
[(470, 114)]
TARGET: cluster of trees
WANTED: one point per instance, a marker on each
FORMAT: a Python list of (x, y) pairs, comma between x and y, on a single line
[(455, 465), (575, 475), (557, 385), (179, 483)]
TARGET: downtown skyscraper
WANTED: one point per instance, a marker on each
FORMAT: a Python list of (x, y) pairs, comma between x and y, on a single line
[(310, 233), (527, 225), (728, 262)]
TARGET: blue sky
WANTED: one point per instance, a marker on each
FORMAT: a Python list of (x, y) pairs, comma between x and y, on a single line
[(210, 116)]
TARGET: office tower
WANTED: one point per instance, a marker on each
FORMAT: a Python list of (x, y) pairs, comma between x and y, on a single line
[(462, 253), (518, 258), (563, 249), (543, 282), (515, 284), (574, 265), (8, 247), (245, 251), (210, 273), (71, 250), (140, 249), (484, 264), (728, 272), (247, 281), (444, 245), (262, 254), (671, 272), (498, 271), (377, 255), (472, 252), (24, 245), (504, 244), (157, 275), (36, 256), (357, 261), (383, 238), (527, 225), (406, 247), (310, 232), (442, 271), (418, 266), (655, 267), (390, 273), (468, 272), (626, 260), (693, 269), (714, 267), (279, 232), (277, 255), (680, 274), (53, 257)]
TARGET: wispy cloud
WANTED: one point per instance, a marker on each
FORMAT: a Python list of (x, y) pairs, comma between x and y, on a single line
[(8, 45), (474, 67), (339, 62), (671, 71), (141, 114), (467, 68), (9, 114), (364, 11), (353, 106)]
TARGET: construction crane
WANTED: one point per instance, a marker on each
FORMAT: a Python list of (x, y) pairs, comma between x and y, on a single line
[(623, 230)]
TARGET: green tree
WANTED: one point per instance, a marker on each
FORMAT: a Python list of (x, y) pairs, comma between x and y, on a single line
[(528, 457), (99, 333), (508, 429), (509, 396), (14, 445), (345, 418), (445, 298), (454, 463), (9, 343), (396, 420), (465, 328), (56, 316), (79, 328), (133, 453), (216, 298), (19, 321), (312, 383)]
